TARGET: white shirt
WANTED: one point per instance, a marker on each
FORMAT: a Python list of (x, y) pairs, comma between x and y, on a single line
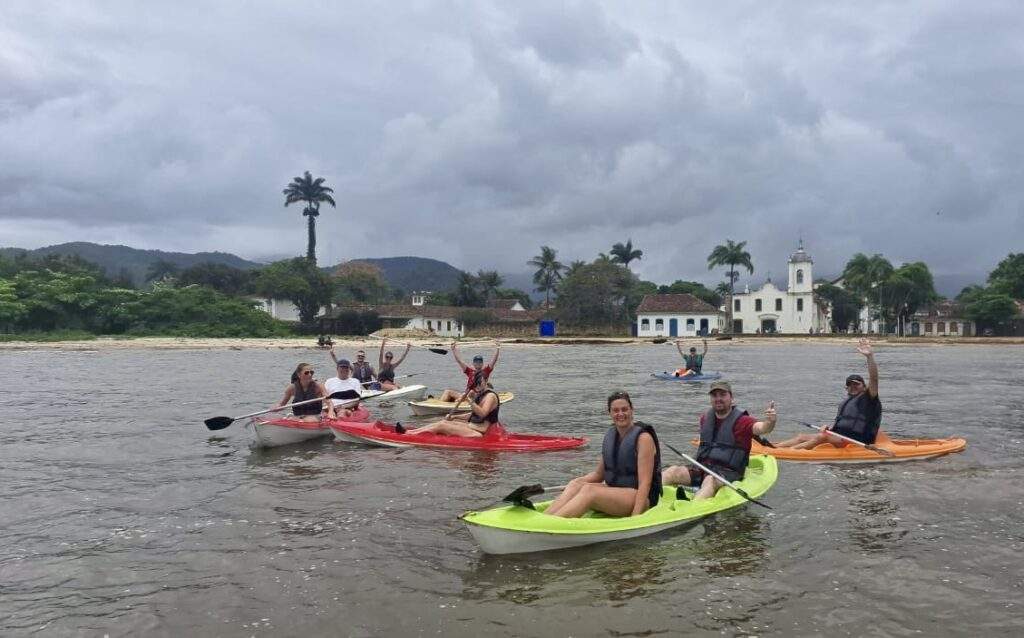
[(334, 384)]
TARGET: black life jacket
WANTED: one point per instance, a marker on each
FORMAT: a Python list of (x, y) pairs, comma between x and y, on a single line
[(492, 416), (853, 420), (362, 371), (620, 460), (718, 445), (305, 395), (387, 373)]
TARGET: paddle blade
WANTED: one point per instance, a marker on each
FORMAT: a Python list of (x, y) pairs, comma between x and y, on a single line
[(438, 350), (520, 495), (218, 422), (345, 394)]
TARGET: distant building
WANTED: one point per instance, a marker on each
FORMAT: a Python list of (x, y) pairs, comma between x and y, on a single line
[(506, 304), (679, 315), (282, 309), (793, 310), (943, 319)]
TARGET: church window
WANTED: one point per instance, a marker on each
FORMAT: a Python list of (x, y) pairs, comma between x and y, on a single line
[(645, 324), (799, 305), (799, 276), (659, 324), (778, 305), (736, 305), (757, 305)]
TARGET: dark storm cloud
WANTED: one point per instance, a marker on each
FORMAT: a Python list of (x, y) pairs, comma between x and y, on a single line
[(476, 132)]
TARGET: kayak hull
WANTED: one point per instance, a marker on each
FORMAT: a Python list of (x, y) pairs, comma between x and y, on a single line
[(289, 430), (902, 449), (514, 529), (407, 392), (435, 407), (693, 378), (384, 434)]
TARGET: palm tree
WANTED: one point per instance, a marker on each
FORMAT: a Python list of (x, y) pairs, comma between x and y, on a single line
[(549, 272), (731, 254), (574, 267), (624, 253), (313, 192), (467, 290), (489, 281)]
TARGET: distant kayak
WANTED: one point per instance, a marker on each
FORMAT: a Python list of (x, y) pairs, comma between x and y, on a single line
[(405, 392), (497, 439), (432, 406), (288, 430), (515, 529), (690, 378), (902, 450)]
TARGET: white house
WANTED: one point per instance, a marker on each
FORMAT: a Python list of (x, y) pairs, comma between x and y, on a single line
[(772, 309), (282, 309), (681, 315)]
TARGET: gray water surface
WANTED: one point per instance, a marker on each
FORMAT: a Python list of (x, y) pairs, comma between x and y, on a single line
[(123, 515)]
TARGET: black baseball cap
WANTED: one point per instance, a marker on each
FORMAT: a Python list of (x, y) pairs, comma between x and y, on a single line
[(855, 377), (343, 363), (479, 358)]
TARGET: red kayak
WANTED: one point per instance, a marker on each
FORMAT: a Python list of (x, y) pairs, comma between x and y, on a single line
[(496, 439)]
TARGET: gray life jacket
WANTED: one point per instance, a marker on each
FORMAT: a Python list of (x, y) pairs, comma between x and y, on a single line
[(362, 371), (718, 445), (304, 395), (621, 463), (853, 420), (693, 362), (492, 416)]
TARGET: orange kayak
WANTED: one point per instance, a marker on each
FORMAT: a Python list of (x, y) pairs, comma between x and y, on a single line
[(902, 450)]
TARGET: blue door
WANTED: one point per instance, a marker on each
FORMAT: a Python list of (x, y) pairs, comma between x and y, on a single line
[(547, 328), (673, 327)]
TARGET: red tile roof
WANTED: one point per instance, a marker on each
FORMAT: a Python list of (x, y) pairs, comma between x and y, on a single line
[(681, 303)]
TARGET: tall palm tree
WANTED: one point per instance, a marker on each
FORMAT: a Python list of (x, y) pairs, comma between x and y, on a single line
[(731, 254), (549, 272), (574, 267), (467, 290), (313, 192), (624, 253), (489, 281)]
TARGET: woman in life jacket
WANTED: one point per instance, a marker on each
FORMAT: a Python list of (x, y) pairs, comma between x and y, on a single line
[(627, 479), (859, 416), (480, 420), (304, 387), (386, 365)]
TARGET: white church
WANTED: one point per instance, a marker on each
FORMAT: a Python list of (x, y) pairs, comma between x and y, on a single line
[(792, 310)]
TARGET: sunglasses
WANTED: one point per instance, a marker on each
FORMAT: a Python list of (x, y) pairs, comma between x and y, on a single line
[(387, 356), (308, 372)]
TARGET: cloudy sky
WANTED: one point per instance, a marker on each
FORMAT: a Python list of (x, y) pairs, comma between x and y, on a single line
[(475, 132)]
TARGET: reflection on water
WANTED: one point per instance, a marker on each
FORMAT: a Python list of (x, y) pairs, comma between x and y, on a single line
[(735, 543), (873, 521)]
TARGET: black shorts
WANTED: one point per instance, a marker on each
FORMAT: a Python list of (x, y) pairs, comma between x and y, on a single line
[(697, 475)]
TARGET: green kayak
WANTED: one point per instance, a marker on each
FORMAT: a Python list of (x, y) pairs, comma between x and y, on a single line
[(513, 529)]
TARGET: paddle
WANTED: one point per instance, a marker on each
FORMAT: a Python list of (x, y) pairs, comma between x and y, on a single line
[(221, 422), (438, 350), (458, 403), (869, 446), (521, 495), (738, 490)]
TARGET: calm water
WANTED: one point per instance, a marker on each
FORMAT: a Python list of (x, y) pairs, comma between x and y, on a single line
[(122, 515)]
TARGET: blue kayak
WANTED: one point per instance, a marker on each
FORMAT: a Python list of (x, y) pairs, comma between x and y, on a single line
[(692, 378)]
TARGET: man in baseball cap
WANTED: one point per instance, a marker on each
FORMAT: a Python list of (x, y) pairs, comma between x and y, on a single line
[(343, 381), (471, 371), (725, 435), (859, 415)]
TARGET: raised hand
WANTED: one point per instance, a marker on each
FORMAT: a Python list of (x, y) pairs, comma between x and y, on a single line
[(864, 347), (769, 414)]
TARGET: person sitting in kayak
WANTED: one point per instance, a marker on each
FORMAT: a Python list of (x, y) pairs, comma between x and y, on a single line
[(725, 435), (627, 479), (859, 415), (304, 387), (344, 381), (478, 366), (483, 414), (692, 362), (386, 365)]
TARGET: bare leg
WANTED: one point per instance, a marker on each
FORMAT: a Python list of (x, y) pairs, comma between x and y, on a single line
[(708, 488), (571, 490), (450, 395), (799, 438), (387, 386), (818, 439), (675, 475), (617, 501), (448, 426)]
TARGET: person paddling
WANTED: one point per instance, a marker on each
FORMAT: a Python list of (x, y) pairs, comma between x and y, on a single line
[(627, 479), (482, 417), (859, 416), (725, 435), (343, 381), (386, 365), (693, 362), (304, 387), (470, 372)]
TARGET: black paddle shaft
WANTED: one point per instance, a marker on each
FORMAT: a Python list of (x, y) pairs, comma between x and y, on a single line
[(738, 490)]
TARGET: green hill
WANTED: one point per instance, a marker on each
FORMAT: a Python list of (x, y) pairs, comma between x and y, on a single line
[(135, 262), (415, 273)]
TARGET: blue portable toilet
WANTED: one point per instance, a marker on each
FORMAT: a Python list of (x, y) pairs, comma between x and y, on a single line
[(547, 328)]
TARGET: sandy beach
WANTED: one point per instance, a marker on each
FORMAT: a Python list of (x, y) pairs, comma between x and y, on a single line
[(354, 342)]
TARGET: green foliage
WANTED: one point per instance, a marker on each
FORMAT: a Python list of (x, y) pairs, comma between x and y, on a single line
[(1008, 276), (990, 308), (694, 288), (845, 305), (864, 274), (299, 281), (358, 282), (12, 310), (731, 254), (313, 192), (624, 253), (908, 288), (220, 277), (354, 322), (441, 299), (488, 283), (48, 337), (548, 273), (474, 317), (596, 294), (161, 270), (515, 293), (195, 311), (467, 291)]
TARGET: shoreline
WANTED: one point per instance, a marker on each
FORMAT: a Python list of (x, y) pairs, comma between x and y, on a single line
[(343, 343)]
